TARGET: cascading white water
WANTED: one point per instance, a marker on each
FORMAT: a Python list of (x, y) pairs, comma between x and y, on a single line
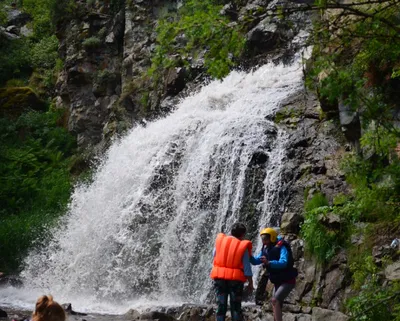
[(143, 231)]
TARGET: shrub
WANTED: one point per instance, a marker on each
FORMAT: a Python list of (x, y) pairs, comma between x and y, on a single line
[(201, 28), (91, 43), (45, 53), (318, 200), (374, 301), (35, 181), (15, 59), (376, 185), (321, 241)]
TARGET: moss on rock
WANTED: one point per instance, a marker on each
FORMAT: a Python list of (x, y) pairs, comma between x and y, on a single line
[(15, 100)]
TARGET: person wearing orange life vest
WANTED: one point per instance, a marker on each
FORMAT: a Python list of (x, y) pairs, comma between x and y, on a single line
[(231, 269)]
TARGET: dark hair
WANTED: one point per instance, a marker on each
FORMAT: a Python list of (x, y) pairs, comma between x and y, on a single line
[(238, 229)]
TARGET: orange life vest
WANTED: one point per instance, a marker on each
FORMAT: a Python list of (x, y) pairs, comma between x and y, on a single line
[(228, 258)]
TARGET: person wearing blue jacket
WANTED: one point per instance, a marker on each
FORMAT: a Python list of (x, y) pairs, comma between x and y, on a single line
[(276, 256)]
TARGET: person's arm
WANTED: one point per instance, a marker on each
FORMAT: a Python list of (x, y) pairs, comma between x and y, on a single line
[(251, 286), (256, 260), (283, 259), (248, 273)]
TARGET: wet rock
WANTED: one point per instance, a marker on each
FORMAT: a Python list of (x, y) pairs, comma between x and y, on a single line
[(334, 281), (68, 308), (230, 10), (392, 272), (7, 35), (156, 315), (258, 158), (293, 308), (288, 317), (13, 29), (306, 309), (26, 31), (350, 122), (3, 314), (175, 80), (262, 37), (319, 314), (132, 314), (303, 317), (332, 221), (290, 222), (297, 249), (17, 18), (379, 252), (338, 260)]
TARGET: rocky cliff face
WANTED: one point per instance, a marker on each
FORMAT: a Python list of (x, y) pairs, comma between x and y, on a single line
[(107, 50)]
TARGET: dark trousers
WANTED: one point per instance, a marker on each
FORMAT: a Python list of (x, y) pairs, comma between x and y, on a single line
[(233, 289), (261, 291)]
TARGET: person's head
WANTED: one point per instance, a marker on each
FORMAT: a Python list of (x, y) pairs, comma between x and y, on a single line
[(268, 236), (238, 230), (48, 310)]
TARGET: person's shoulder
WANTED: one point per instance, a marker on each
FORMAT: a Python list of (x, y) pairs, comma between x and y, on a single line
[(282, 242)]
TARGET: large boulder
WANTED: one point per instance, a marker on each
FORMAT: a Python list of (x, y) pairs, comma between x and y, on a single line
[(263, 37), (290, 222)]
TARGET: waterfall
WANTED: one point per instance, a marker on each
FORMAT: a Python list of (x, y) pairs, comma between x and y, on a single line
[(143, 231)]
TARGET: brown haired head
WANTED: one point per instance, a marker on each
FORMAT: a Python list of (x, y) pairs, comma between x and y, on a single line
[(48, 310)]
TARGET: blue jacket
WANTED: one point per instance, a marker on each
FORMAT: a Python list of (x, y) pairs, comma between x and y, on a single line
[(276, 264), (280, 259)]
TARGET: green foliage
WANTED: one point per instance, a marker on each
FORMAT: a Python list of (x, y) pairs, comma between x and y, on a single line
[(20, 57), (318, 200), (15, 83), (16, 100), (44, 53), (3, 15), (373, 300), (15, 59), (379, 141), (356, 58), (34, 180), (62, 11), (286, 112), (376, 187), (321, 240), (202, 30), (91, 43), (41, 14), (47, 14), (116, 5)]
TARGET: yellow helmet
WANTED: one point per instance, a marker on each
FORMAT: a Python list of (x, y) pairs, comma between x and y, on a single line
[(272, 233)]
